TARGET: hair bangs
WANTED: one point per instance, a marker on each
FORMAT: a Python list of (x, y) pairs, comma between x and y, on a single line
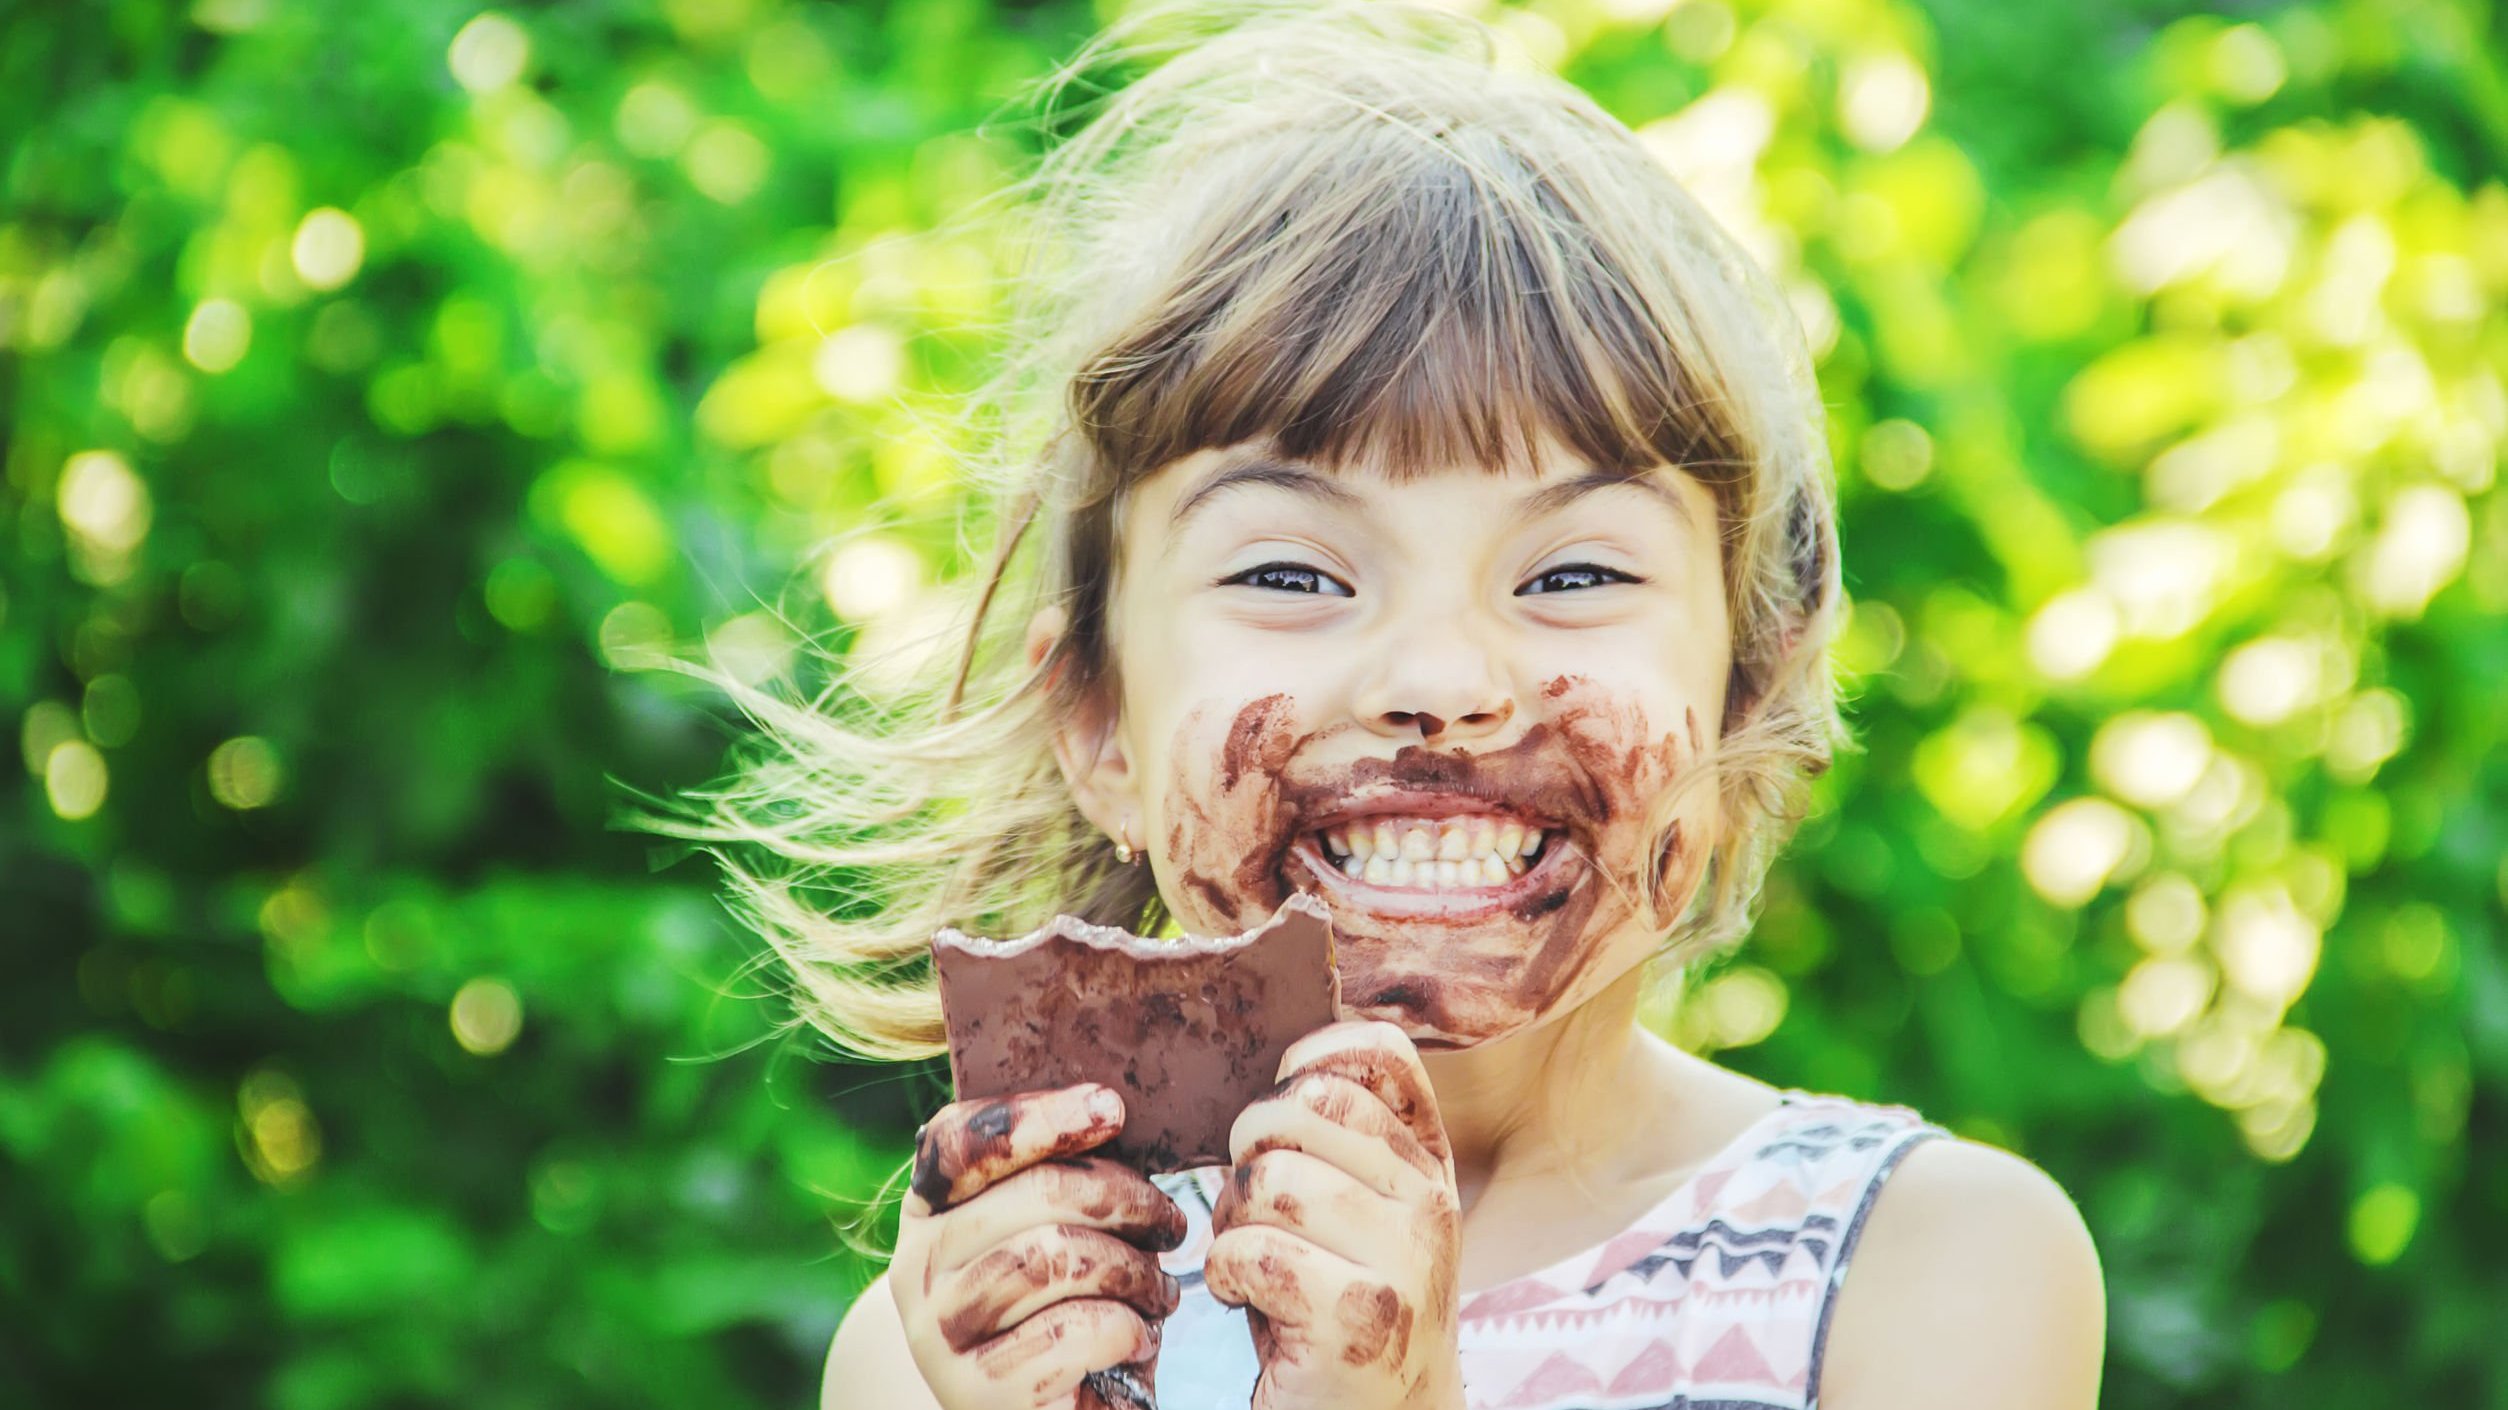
[(1399, 297)]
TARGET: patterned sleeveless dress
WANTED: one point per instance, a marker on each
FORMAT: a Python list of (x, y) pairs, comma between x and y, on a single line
[(1717, 1296)]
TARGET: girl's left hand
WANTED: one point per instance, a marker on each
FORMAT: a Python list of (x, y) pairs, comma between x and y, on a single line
[(1340, 1229)]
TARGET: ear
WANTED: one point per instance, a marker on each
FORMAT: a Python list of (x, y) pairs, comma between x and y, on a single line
[(1812, 555), (1087, 745)]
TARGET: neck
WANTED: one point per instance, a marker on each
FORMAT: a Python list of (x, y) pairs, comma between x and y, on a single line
[(1506, 1115)]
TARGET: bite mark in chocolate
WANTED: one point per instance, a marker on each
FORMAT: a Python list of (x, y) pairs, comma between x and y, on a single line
[(1188, 1031)]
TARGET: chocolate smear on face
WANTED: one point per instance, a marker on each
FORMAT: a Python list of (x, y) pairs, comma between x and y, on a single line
[(1225, 835), (1586, 772)]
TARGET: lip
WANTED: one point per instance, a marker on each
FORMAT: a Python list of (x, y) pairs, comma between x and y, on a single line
[(1425, 803), (1458, 907)]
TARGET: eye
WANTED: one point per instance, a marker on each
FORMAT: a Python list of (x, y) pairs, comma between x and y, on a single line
[(1289, 577), (1578, 576)]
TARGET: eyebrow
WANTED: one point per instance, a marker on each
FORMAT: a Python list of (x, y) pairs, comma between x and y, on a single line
[(1549, 499), (1263, 470)]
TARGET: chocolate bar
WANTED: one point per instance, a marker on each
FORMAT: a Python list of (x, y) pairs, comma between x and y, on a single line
[(1190, 1031)]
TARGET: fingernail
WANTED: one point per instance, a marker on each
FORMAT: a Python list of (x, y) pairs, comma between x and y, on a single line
[(1104, 1104)]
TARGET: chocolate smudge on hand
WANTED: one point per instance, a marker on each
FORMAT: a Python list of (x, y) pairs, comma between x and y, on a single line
[(1376, 1321), (946, 1151)]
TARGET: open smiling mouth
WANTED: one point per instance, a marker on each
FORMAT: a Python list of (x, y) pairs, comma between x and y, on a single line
[(1454, 868)]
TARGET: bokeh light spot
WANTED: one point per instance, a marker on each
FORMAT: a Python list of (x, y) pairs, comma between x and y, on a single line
[(610, 516), (217, 335), (103, 501), (634, 635), (521, 594), (655, 119), (75, 780), (48, 725), (862, 363), (727, 162), (2266, 681), (2150, 759), (2382, 1223), (486, 1016), (1897, 454), (329, 248), (2166, 914), (2077, 848), (2267, 947), (1735, 1009), (1985, 766), (488, 53), (2072, 634), (751, 648), (280, 1139), (1882, 100), (870, 577), (245, 773), (2164, 993), (2419, 549)]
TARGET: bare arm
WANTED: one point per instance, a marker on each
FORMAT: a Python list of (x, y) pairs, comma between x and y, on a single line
[(1974, 1287), (869, 1363)]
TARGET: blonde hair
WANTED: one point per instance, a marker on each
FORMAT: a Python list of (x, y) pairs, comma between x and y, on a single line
[(1348, 231)]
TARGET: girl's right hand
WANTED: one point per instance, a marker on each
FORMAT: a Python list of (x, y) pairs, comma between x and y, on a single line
[(1026, 1274)]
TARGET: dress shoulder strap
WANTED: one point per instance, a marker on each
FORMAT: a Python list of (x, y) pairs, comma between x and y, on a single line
[(1717, 1296), (1772, 1245)]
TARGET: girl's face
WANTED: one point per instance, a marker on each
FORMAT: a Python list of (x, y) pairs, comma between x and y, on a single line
[(1444, 705)]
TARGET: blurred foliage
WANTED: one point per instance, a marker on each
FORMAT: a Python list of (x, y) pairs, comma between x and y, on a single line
[(380, 380)]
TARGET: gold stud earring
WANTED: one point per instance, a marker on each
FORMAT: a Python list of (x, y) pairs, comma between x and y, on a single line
[(1124, 852)]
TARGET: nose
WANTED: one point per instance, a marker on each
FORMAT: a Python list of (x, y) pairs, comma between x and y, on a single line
[(1435, 682)]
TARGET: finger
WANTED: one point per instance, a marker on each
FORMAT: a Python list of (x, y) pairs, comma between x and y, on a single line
[(1300, 1295), (1039, 1267), (1337, 1120), (1315, 1201), (1268, 1269), (1090, 1192), (969, 1145), (1380, 1057), (1047, 1356)]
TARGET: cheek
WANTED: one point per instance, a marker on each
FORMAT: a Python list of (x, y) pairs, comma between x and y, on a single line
[(1225, 830)]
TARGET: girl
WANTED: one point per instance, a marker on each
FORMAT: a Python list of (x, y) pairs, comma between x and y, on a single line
[(1435, 516)]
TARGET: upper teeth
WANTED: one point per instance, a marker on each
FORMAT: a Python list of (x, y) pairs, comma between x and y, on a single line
[(1473, 851)]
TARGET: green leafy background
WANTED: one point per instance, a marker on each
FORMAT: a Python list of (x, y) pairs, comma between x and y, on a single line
[(382, 380)]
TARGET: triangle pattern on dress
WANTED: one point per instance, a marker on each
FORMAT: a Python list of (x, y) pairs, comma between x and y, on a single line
[(1521, 1295), (1653, 1371), (1559, 1375), (1734, 1357), (1621, 1252), (1781, 1203), (1713, 1297)]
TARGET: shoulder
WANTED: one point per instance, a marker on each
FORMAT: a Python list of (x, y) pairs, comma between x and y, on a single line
[(869, 1362), (1974, 1283)]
